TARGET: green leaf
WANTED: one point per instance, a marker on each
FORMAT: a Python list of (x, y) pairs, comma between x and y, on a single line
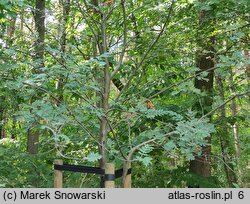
[(236, 185), (146, 149), (155, 133), (169, 146), (145, 160), (190, 157), (92, 157)]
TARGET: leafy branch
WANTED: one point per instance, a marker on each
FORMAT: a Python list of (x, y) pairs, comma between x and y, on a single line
[(144, 57)]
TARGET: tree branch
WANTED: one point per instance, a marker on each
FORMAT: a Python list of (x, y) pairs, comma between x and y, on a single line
[(184, 80), (134, 149), (223, 104), (148, 51), (124, 39)]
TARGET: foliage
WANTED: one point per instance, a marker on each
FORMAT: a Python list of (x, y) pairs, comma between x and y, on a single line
[(100, 67)]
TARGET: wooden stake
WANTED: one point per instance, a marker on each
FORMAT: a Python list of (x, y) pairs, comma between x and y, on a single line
[(109, 170), (58, 175), (127, 181)]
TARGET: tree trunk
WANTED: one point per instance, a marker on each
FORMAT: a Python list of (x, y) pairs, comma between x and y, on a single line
[(235, 126), (11, 30), (104, 128), (2, 123), (39, 17), (33, 139), (11, 27), (14, 129), (63, 44), (224, 136), (247, 54), (104, 80), (205, 60)]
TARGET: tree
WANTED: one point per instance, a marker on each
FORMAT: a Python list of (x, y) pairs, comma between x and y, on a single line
[(39, 17), (205, 61)]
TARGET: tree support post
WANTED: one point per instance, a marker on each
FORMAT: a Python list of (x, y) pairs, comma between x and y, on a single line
[(109, 176), (58, 175), (127, 180)]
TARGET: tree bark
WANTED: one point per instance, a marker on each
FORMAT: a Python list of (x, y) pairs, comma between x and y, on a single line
[(247, 55), (235, 126), (104, 104), (10, 31), (225, 139), (39, 17), (63, 45), (2, 123), (201, 165), (33, 139)]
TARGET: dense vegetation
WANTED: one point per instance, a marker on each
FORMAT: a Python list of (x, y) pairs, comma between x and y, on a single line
[(162, 84)]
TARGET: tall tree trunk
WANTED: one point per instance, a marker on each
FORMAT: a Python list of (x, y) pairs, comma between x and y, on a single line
[(14, 129), (201, 165), (104, 104), (2, 123), (224, 136), (63, 45), (246, 53), (10, 31), (104, 80), (39, 17), (33, 139), (235, 126), (98, 49), (247, 57)]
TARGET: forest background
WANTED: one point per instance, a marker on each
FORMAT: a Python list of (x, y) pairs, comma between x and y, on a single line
[(163, 85)]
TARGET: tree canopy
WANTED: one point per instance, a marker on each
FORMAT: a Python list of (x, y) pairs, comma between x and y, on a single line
[(163, 85)]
